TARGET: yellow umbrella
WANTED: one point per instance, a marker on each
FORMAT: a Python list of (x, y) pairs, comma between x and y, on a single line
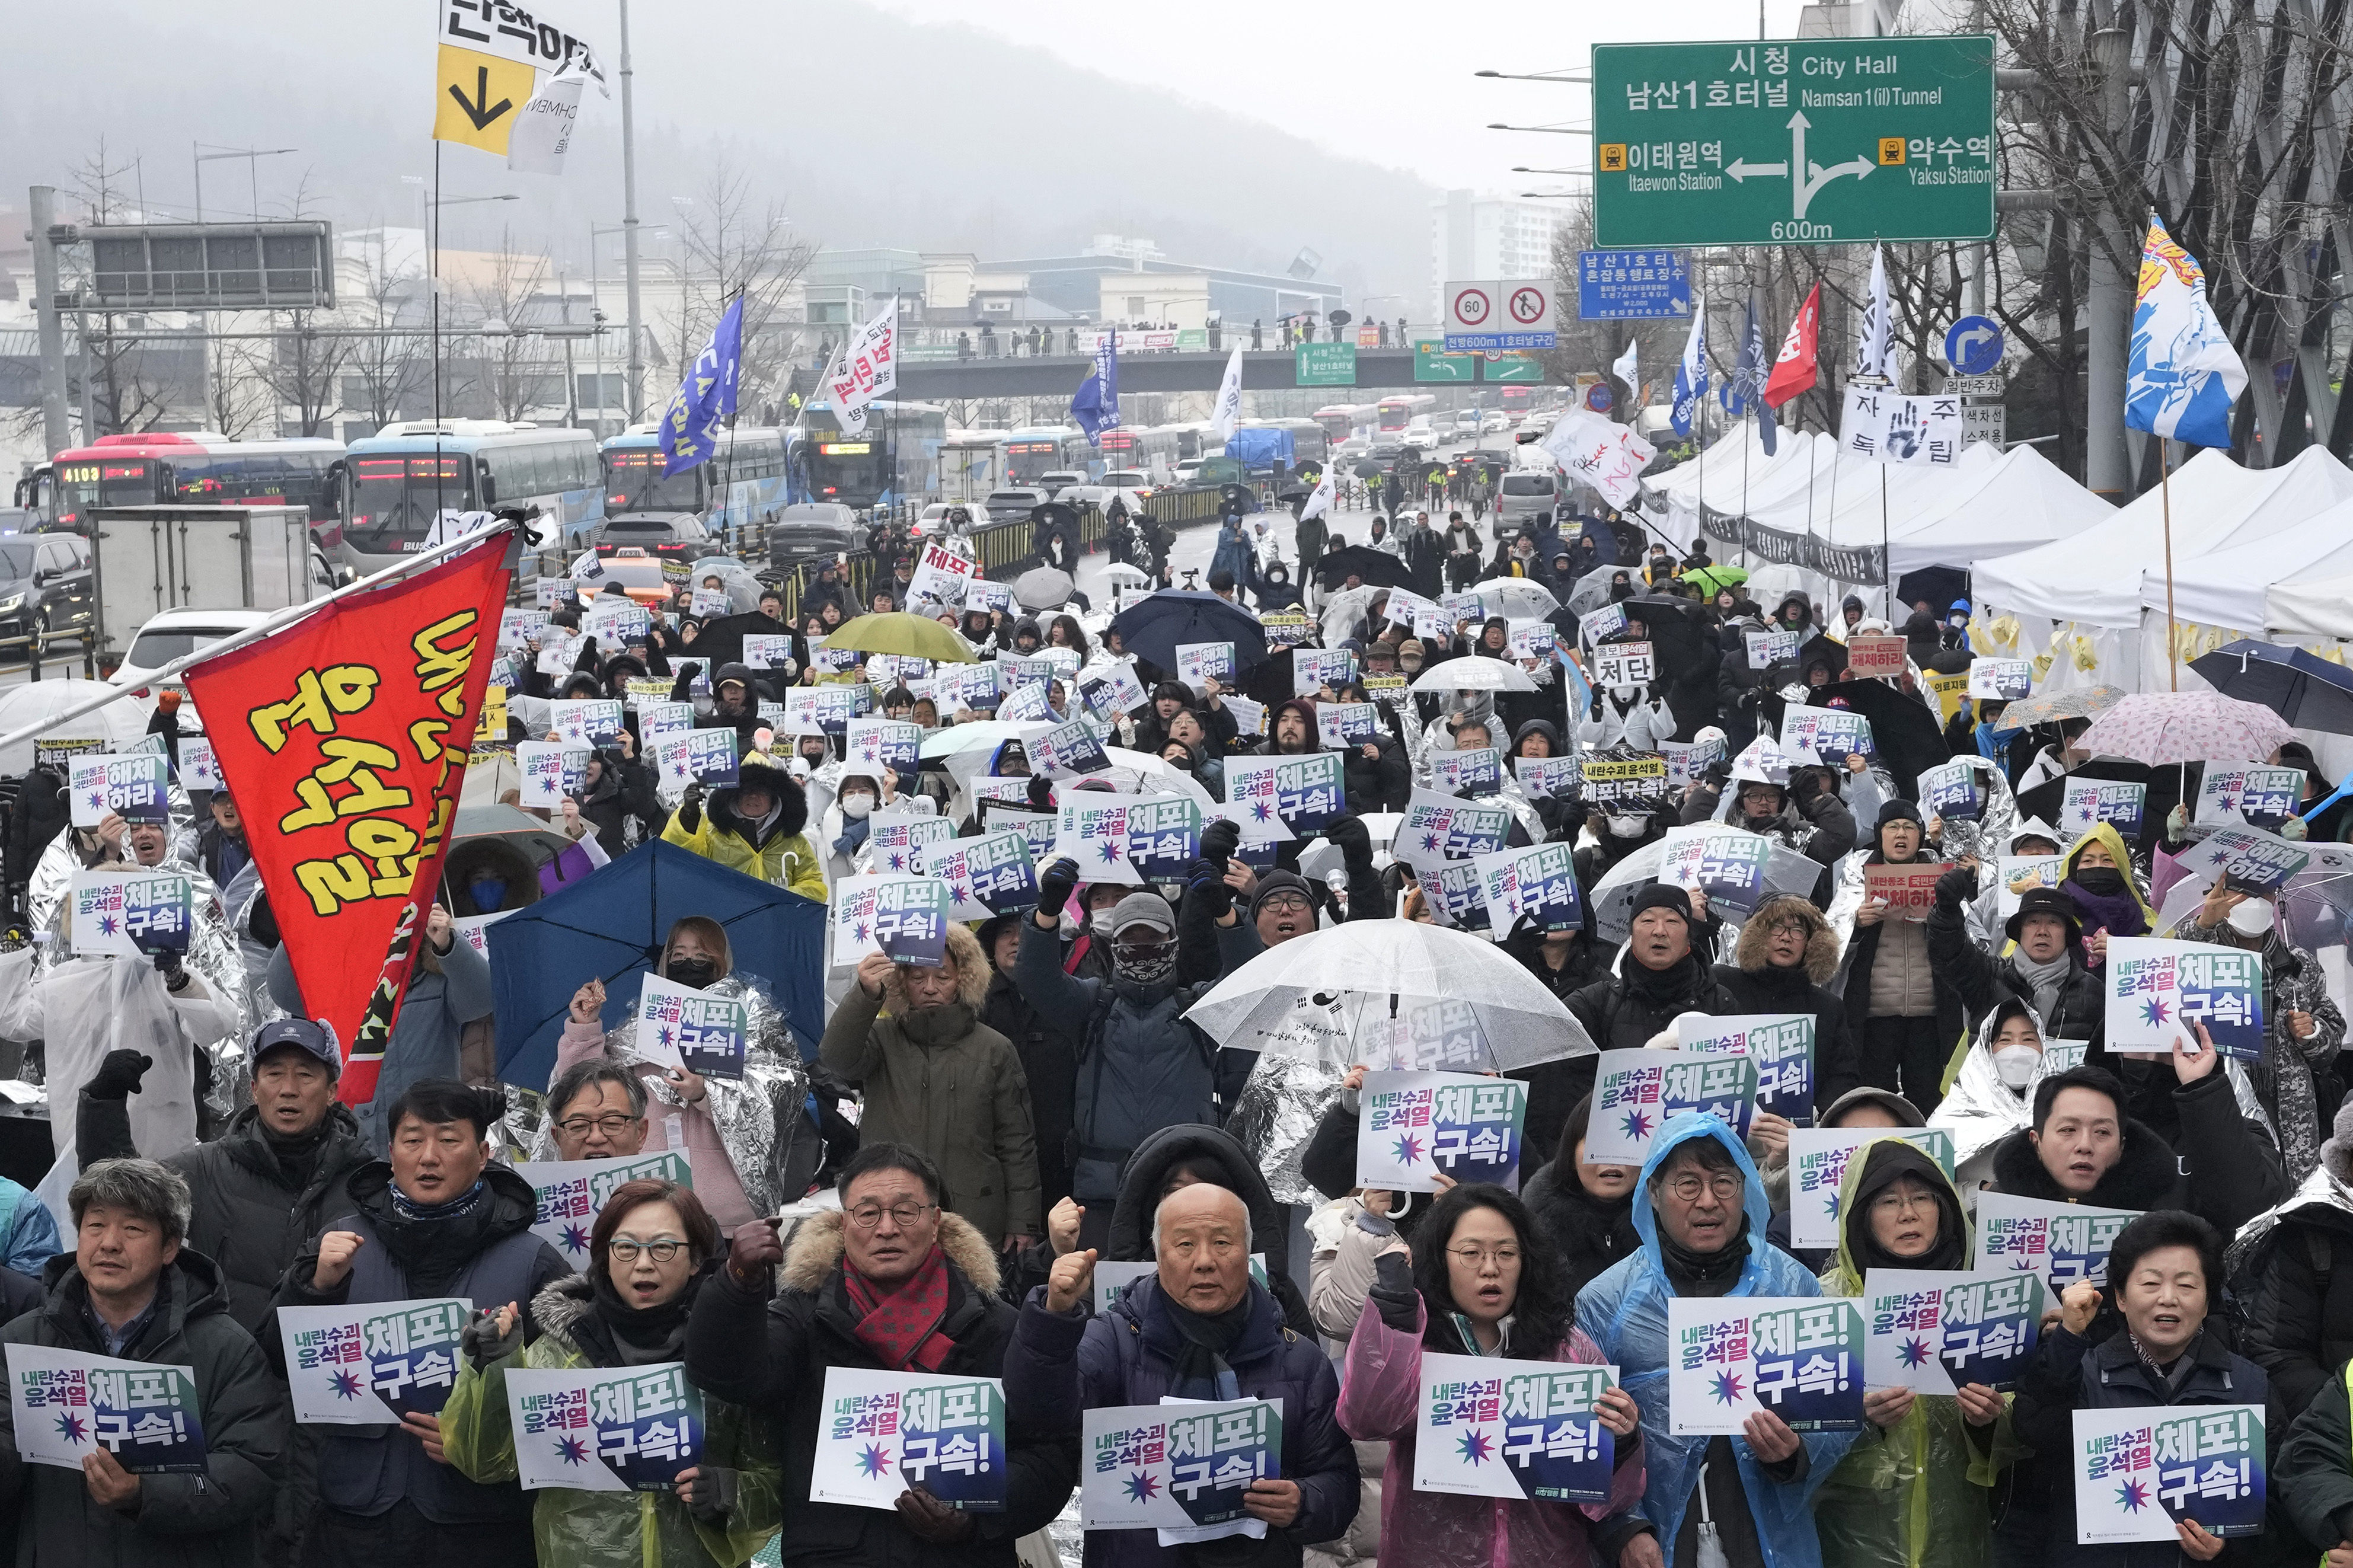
[(912, 637)]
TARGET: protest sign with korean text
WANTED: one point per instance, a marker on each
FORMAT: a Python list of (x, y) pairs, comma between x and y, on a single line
[(1549, 778), (1610, 779), (2247, 859), (1781, 1044), (2248, 795), (1309, 791), (958, 688), (1870, 658), (1725, 863), (132, 913), (600, 1429), (1828, 734), (1624, 664), (881, 744), (570, 1194), (894, 837), (1932, 1330), (1457, 893), (2159, 990), (2001, 679), (986, 876), (1112, 689), (1288, 629), (135, 788), (2087, 802), (1531, 639), (370, 1364), (1910, 891), (1200, 661), (941, 575), (1413, 1126), (1800, 1357), (2017, 874), (701, 1031), (1818, 1161), (1478, 771), (1339, 725), (550, 769), (1067, 749), (2062, 1242), (1766, 649), (2140, 1471), (1182, 1465), (1537, 884), (1164, 835), (67, 1405), (587, 721), (903, 917), (767, 650), (1607, 621), (1437, 828), (1636, 1092), (1313, 668), (881, 1433), (707, 757), (1538, 1417), (1035, 828), (1952, 789), (200, 769)]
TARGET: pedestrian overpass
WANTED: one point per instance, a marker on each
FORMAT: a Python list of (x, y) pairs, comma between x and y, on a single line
[(1268, 370)]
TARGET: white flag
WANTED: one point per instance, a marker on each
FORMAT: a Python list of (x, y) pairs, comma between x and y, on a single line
[(1601, 452), (1229, 399), (1320, 501), (865, 368), (543, 131), (1872, 339), (1624, 369)]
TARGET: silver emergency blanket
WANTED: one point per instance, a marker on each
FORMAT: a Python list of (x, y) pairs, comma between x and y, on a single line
[(2320, 1190), (773, 1090), (1275, 1116), (1985, 838)]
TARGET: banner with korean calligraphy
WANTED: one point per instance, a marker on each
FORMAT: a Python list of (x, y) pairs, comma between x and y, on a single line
[(570, 1194), (701, 1032), (1892, 428), (1412, 1127), (2062, 1242), (131, 914), (1932, 1330), (1817, 1159), (1799, 1356), (1781, 1044), (2157, 989), (986, 876), (598, 1429), (2140, 1471), (1536, 1418), (372, 1363), (67, 1405), (1180, 1467), (344, 740), (1636, 1092), (880, 1433)]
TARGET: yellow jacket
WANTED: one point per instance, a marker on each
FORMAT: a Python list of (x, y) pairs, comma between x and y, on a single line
[(786, 859)]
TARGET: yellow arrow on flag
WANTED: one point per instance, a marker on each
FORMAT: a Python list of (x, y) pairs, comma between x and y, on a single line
[(476, 98)]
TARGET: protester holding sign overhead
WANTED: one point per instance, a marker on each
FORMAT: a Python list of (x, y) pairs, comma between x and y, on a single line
[(133, 1292), (1481, 1280), (755, 827), (650, 1253)]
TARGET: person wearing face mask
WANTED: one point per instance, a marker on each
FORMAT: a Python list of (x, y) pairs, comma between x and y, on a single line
[(937, 1080), (1917, 1486), (842, 834), (753, 827), (2144, 1342), (2303, 1028), (1993, 1095), (2100, 882), (653, 1248)]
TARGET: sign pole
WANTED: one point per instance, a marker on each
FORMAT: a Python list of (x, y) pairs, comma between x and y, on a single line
[(1886, 577), (2172, 628)]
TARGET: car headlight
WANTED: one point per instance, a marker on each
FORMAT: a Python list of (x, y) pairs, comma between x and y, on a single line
[(12, 604)]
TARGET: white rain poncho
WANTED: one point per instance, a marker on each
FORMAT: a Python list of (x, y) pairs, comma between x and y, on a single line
[(82, 1008)]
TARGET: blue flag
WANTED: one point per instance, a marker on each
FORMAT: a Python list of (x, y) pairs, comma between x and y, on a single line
[(1690, 373), (706, 398), (1095, 405), (1744, 389), (2183, 375)]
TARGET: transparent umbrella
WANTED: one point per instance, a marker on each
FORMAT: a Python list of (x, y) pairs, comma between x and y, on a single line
[(1515, 598), (1394, 994), (1474, 674), (1612, 900)]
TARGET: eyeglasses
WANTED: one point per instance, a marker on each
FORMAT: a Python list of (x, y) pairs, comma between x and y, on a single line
[(662, 1250), (1688, 1187), (1789, 926), (1478, 1256), (1896, 1198), (611, 1126), (1290, 904), (866, 1217)]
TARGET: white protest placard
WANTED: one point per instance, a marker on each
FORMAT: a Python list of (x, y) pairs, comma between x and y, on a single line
[(1624, 664), (1636, 1092), (1824, 734), (550, 770), (895, 837), (2016, 875), (986, 876), (1781, 1044), (881, 1433), (1309, 791), (2247, 795), (1339, 725), (518, 624), (2001, 679), (2158, 990), (1437, 828), (1112, 689), (710, 603), (1031, 703), (680, 1027), (941, 574), (767, 650), (1767, 649), (1476, 771), (1531, 639), (1537, 884), (2246, 858), (1037, 829), (1548, 778), (1093, 829), (706, 757), (1313, 668), (957, 687), (1605, 622), (199, 769), (1250, 717), (371, 1364), (1818, 1161), (1800, 1357), (1200, 661), (882, 743), (2060, 1242), (67, 1405), (1181, 1466), (2141, 1470), (592, 722), (1537, 1417), (2087, 802), (135, 788), (1933, 1331), (569, 1194), (132, 913), (1723, 862), (1954, 789), (1412, 1127), (600, 1429)]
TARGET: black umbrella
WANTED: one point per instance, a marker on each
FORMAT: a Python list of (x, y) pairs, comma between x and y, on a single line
[(2166, 786), (721, 641), (1679, 634), (1153, 627), (2308, 691), (1904, 730), (1363, 563)]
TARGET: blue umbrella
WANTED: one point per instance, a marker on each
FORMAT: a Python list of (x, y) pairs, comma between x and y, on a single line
[(611, 925), (1152, 627), (2308, 691)]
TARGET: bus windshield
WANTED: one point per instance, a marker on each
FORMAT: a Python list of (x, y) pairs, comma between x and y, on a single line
[(395, 498), (1395, 419), (81, 485), (634, 482)]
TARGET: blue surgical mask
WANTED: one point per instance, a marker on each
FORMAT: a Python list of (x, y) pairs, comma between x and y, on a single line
[(487, 893)]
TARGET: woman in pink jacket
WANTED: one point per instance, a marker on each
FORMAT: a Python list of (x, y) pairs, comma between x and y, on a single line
[(1480, 1280)]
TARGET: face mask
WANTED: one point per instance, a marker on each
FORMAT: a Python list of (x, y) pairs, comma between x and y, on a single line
[(1627, 826), (693, 972), (2252, 918), (857, 805), (2015, 1064), (488, 894), (1099, 921), (2104, 880), (1144, 972)]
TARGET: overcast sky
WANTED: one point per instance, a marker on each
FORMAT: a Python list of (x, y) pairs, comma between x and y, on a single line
[(1391, 81)]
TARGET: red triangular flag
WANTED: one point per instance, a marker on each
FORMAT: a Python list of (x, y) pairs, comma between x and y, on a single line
[(344, 740), (1794, 369)]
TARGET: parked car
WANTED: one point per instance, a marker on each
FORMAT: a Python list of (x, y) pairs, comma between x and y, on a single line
[(1014, 502), (174, 635), (813, 528), (1059, 481), (670, 535), (46, 590), (938, 519), (1527, 493)]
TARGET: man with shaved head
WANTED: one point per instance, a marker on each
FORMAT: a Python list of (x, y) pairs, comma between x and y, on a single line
[(1199, 1327)]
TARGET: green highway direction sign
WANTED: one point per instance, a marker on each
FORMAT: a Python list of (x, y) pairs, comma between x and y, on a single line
[(1432, 363), (1324, 364), (1808, 140)]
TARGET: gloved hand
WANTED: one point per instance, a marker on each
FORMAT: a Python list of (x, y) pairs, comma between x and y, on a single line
[(1205, 887), (1041, 793), (1219, 840), (482, 1344), (1393, 1293), (1055, 884), (1805, 788), (690, 810), (2177, 823), (118, 1076), (1956, 886), (2292, 829), (1353, 841), (169, 965)]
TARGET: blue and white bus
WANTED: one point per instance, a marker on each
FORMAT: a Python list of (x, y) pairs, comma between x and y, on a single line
[(743, 483), (826, 465), (407, 473)]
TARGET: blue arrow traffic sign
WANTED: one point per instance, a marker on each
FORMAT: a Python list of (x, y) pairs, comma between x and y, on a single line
[(1974, 345)]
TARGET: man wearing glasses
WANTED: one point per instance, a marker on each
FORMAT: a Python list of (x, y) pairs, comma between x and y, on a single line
[(1745, 1500), (596, 1109)]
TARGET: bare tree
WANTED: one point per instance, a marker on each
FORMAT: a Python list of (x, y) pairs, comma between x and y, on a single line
[(736, 244), (390, 368), (513, 369)]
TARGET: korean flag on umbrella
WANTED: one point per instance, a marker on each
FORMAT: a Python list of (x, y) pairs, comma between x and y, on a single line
[(2183, 375)]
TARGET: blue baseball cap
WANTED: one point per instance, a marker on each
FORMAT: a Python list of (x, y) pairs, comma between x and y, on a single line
[(314, 1039)]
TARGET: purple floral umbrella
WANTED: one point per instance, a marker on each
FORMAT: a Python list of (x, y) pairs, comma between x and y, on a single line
[(2156, 726)]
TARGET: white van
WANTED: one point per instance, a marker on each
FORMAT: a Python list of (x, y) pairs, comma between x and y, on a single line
[(1527, 492)]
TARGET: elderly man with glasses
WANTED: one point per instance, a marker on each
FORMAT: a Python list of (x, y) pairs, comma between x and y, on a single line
[(596, 1109)]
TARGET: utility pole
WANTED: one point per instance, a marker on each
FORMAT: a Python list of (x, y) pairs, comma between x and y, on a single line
[(2108, 308), (44, 208), (629, 228)]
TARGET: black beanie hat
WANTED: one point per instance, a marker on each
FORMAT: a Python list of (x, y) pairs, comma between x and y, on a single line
[(1900, 811), (1664, 896)]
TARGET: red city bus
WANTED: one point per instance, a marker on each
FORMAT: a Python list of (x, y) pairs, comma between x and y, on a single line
[(162, 467), (1518, 399)]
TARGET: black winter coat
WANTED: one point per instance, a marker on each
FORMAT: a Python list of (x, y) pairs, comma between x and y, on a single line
[(626, 790), (770, 1355), (2312, 1481), (1381, 783), (1591, 1235), (2223, 1171), (1838, 1058), (250, 1216), (194, 1519), (2297, 1304), (1621, 1012), (1049, 1060)]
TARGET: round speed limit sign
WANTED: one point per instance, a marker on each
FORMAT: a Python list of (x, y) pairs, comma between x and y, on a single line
[(1470, 307)]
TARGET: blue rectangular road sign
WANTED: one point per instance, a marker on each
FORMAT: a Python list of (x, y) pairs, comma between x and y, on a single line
[(1632, 285)]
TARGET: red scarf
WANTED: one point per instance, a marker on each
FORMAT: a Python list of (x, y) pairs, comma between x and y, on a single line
[(902, 1326)]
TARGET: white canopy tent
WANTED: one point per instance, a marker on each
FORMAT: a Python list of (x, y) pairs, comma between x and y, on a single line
[(2017, 501), (2320, 608), (1733, 475), (2230, 586)]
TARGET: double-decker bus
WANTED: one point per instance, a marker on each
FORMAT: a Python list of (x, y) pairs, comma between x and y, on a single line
[(408, 473), (743, 482), (1393, 414), (202, 467)]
